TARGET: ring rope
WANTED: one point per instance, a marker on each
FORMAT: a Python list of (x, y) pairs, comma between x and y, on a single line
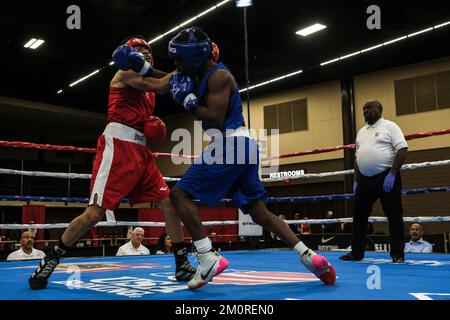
[(411, 166), (330, 197), (64, 199), (59, 175), (216, 223), (351, 195), (31, 145), (163, 154), (62, 175), (353, 146), (219, 223)]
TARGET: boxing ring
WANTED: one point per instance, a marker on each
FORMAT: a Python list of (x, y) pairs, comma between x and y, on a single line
[(252, 275)]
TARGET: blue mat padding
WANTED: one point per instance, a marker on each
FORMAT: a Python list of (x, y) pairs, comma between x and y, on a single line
[(252, 275)]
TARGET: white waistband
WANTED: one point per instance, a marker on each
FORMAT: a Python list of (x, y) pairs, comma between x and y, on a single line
[(239, 132), (125, 133)]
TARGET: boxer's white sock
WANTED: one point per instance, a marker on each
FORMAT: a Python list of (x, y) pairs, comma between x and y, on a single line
[(300, 247), (203, 245)]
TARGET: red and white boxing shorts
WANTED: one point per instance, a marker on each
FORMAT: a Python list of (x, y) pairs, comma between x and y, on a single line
[(125, 168)]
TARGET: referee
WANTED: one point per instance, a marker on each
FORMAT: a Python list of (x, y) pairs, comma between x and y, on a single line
[(381, 150)]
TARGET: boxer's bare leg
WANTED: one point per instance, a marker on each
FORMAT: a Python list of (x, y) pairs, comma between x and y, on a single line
[(81, 224), (184, 270)]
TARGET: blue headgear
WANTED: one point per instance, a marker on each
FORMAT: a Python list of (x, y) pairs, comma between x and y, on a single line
[(193, 52)]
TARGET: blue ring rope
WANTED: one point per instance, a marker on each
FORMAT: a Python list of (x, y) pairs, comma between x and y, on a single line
[(331, 197)]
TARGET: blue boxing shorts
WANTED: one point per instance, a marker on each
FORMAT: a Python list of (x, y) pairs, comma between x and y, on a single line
[(228, 167)]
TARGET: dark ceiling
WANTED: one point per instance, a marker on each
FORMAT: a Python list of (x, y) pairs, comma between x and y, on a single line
[(274, 48)]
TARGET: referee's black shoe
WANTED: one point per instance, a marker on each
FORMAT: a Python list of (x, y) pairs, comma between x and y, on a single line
[(351, 257), (398, 259)]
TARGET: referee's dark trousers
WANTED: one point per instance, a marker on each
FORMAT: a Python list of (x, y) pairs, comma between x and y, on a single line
[(368, 190)]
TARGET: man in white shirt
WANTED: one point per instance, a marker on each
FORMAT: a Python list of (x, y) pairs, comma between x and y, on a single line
[(26, 251), (134, 247), (381, 150), (417, 244)]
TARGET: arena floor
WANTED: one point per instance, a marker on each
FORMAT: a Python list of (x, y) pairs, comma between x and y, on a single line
[(252, 275)]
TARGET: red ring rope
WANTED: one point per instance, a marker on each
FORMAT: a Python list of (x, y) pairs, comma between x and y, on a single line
[(30, 145)]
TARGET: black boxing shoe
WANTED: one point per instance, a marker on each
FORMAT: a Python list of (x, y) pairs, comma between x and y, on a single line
[(398, 259), (185, 271), (351, 257), (39, 278)]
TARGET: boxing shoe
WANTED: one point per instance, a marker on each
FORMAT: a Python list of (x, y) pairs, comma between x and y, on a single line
[(210, 264), (39, 278), (319, 266), (399, 259), (184, 271), (351, 257)]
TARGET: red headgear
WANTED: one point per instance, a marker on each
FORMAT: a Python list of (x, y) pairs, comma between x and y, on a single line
[(215, 51), (133, 42)]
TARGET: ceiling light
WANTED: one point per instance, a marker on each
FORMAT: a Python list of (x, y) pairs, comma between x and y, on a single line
[(346, 56), (243, 3), (293, 73), (29, 43), (172, 30), (156, 39), (188, 22), (349, 55), (37, 44), (419, 32), (395, 40), (161, 36), (205, 12), (84, 78), (441, 25), (277, 79), (221, 3), (329, 61), (311, 29), (272, 80), (372, 48), (34, 43)]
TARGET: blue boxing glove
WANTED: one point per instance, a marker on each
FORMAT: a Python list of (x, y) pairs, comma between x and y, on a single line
[(181, 88), (126, 58), (389, 181)]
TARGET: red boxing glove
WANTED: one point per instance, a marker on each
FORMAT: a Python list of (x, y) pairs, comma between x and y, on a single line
[(215, 51), (154, 129)]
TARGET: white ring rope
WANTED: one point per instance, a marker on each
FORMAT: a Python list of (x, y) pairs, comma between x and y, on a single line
[(46, 174), (217, 223), (61, 175), (412, 166)]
